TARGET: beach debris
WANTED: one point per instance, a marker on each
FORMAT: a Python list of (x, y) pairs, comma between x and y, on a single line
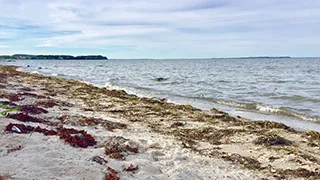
[(30, 109), (131, 168), (14, 149), (99, 160), (25, 118), (112, 174), (15, 129), (272, 140)]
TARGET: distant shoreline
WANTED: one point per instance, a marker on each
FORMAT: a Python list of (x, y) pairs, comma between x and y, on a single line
[(51, 57)]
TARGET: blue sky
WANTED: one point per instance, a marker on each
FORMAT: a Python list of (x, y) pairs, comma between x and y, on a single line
[(161, 28)]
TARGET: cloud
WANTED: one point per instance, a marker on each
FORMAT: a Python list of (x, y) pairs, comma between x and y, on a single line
[(180, 28), (3, 46)]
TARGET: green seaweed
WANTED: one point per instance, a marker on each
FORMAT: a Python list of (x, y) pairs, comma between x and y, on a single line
[(5, 112)]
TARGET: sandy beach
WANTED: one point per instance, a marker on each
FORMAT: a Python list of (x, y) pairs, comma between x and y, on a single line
[(54, 128)]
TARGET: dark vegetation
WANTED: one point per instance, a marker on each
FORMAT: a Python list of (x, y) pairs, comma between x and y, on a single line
[(272, 140)]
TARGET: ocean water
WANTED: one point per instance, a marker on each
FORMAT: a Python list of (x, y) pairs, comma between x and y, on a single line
[(260, 88)]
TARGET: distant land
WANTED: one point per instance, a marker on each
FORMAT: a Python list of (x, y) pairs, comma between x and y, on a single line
[(258, 57), (51, 57)]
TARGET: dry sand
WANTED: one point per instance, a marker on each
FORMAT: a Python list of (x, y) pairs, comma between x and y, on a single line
[(139, 138)]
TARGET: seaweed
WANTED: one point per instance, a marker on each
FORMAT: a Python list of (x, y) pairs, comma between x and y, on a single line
[(245, 161), (177, 124), (272, 140), (30, 109), (26, 89), (313, 135), (271, 125), (25, 118), (208, 134), (131, 168), (25, 129), (77, 138), (112, 174), (11, 97), (119, 151), (5, 112), (99, 160), (19, 128), (8, 103), (47, 104), (109, 125), (31, 95), (302, 173), (14, 149), (5, 177)]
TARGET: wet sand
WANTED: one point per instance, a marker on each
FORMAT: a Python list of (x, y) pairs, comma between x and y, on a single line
[(128, 137)]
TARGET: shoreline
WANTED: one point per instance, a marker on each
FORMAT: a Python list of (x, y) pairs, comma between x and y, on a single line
[(187, 135)]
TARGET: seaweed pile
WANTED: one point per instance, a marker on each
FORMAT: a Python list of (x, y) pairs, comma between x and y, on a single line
[(76, 138)]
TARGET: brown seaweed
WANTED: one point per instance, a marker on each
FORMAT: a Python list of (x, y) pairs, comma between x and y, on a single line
[(47, 104), (272, 140), (30, 109)]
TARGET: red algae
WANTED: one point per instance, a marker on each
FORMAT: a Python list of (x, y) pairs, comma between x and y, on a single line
[(112, 175), (80, 139), (25, 118), (77, 138), (30, 109), (131, 168)]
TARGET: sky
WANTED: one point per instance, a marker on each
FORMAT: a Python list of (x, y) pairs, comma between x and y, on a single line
[(161, 28)]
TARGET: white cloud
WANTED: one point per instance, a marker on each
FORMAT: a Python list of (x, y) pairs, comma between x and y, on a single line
[(3, 46), (226, 27)]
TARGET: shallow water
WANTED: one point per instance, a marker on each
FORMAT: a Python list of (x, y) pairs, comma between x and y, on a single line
[(260, 88)]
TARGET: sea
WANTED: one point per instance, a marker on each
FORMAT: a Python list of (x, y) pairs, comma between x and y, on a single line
[(284, 90)]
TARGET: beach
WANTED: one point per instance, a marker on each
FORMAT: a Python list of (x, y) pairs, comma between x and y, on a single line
[(55, 128)]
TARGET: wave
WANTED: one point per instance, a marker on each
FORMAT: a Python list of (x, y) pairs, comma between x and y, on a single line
[(268, 109), (297, 98)]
